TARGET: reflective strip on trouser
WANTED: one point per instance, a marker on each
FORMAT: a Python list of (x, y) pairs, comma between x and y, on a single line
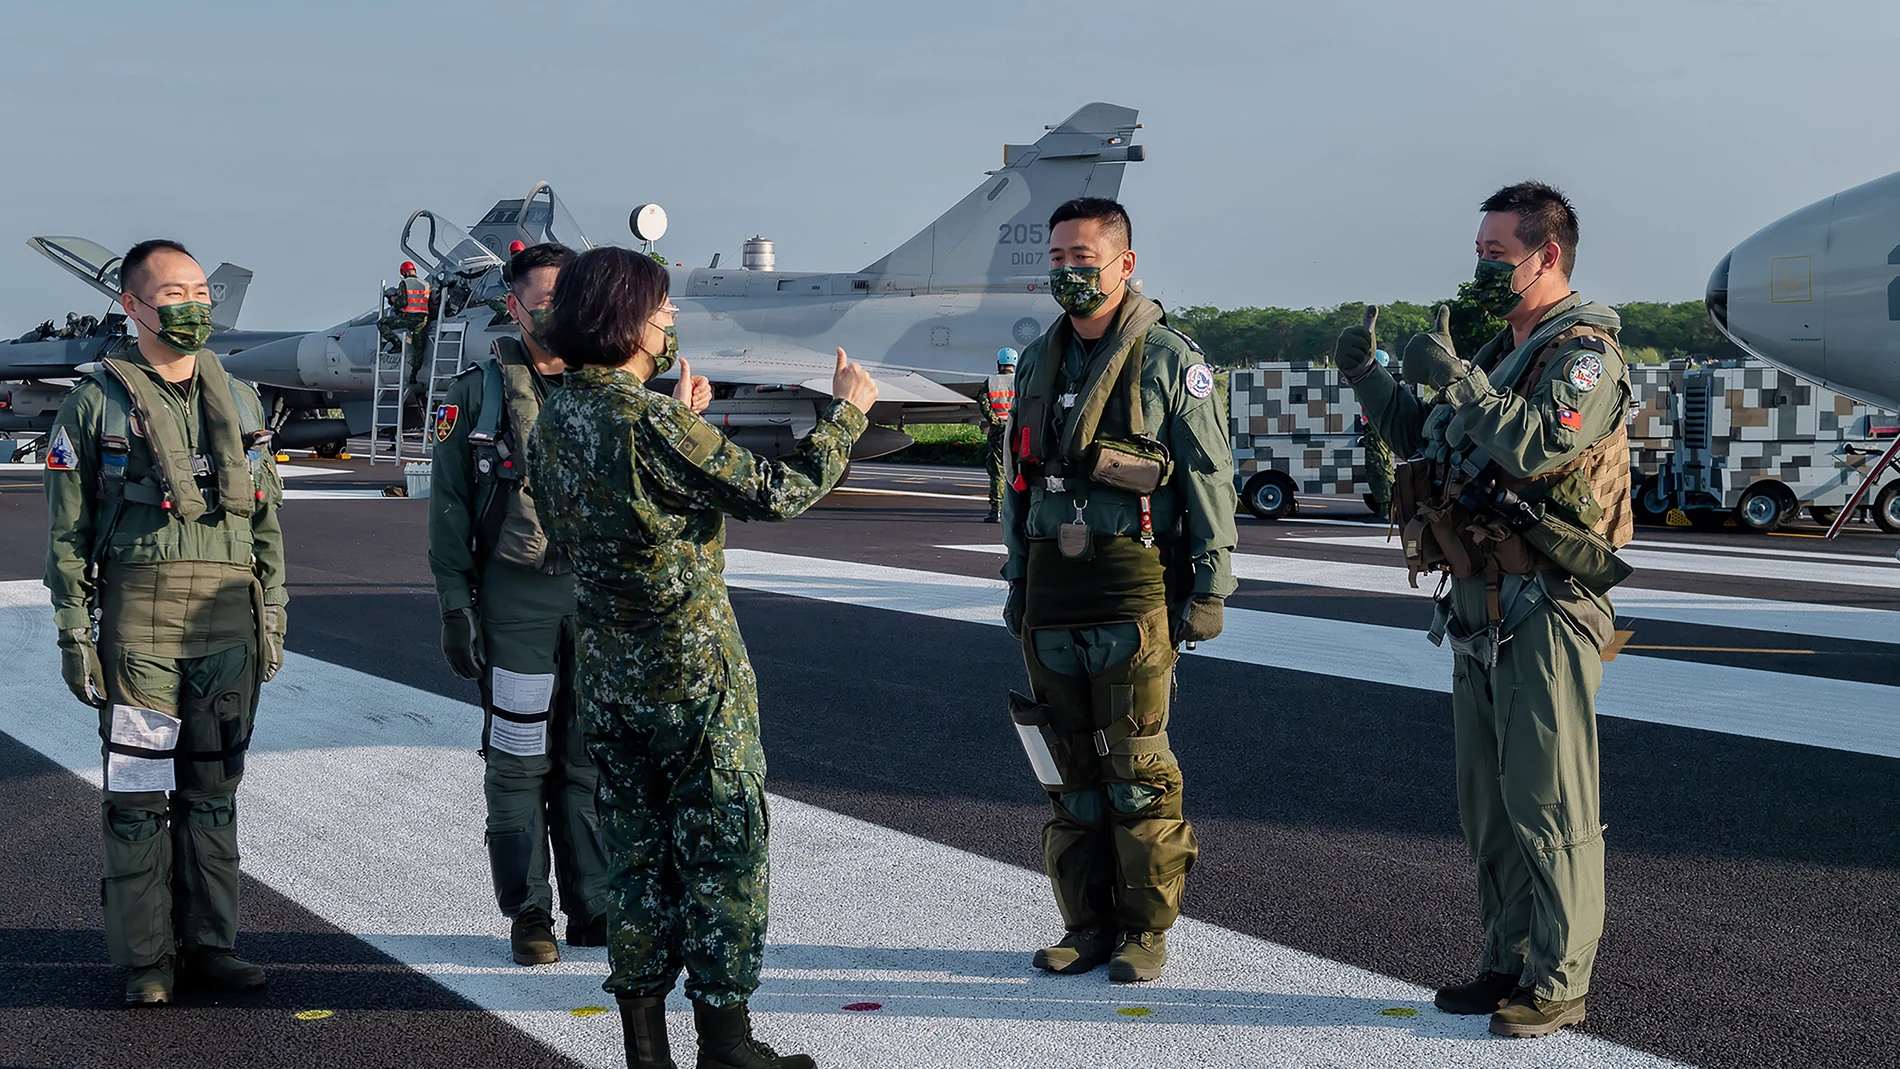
[(1528, 795), (682, 805), (1117, 849), (170, 872), (541, 796)]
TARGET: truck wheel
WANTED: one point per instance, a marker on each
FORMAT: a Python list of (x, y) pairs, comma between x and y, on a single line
[(1887, 508), (1650, 506), (330, 450), (1759, 510), (1269, 496), (1823, 514)]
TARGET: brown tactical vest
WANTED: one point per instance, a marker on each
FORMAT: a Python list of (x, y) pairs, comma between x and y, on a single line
[(1441, 535)]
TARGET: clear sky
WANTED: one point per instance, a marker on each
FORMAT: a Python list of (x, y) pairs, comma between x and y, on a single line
[(1298, 153)]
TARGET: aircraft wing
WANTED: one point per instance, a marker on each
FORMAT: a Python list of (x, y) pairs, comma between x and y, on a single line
[(809, 371)]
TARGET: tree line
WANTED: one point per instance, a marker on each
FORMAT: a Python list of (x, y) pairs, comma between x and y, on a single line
[(1653, 331)]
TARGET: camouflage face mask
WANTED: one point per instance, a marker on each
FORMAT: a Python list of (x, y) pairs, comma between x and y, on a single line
[(184, 326), (663, 361), (1491, 285), (537, 328), (1077, 289)]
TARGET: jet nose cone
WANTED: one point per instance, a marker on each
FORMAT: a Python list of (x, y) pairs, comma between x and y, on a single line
[(1717, 298)]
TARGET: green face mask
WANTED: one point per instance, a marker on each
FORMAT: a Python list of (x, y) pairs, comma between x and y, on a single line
[(1077, 289), (184, 326), (538, 325), (1491, 285), (664, 361)]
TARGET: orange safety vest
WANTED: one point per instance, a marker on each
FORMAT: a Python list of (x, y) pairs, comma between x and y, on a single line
[(1002, 391), (415, 296)]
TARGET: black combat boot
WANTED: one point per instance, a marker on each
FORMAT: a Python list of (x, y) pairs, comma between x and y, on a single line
[(532, 938), (1528, 1017), (725, 1041), (219, 970), (1487, 994), (643, 1021), (149, 985)]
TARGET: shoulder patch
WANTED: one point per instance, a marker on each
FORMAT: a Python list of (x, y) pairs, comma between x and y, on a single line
[(1593, 343), (61, 456), (445, 421), (1199, 380), (696, 439), (1586, 370)]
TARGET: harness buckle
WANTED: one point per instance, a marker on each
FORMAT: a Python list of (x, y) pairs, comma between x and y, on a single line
[(1101, 743), (1055, 484)]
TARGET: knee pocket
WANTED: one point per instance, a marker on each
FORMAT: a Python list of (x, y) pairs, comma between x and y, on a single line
[(1153, 853), (219, 812), (1088, 805), (1131, 798), (736, 820), (133, 825)]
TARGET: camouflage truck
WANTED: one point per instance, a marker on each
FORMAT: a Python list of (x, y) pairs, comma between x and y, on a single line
[(1759, 444)]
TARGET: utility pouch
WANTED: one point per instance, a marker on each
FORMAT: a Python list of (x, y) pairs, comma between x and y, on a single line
[(1048, 752), (1137, 464), (1582, 553)]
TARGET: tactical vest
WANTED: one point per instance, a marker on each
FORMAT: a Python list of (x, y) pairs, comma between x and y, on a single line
[(415, 296), (1443, 534), (116, 419), (506, 525)]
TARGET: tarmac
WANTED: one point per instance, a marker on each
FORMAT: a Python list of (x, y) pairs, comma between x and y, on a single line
[(1749, 741)]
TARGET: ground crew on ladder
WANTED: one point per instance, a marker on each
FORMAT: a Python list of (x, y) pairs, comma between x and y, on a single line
[(999, 394), (1517, 496), (408, 302), (162, 504), (1119, 523)]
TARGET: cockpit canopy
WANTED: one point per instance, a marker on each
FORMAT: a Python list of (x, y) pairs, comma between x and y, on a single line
[(536, 218), (89, 261), (441, 246)]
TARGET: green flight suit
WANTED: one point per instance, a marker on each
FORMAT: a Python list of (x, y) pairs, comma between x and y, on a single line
[(499, 562), (632, 487), (1097, 638), (178, 603), (1526, 737)]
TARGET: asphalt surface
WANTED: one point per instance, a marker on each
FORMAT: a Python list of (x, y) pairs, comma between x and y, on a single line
[(1754, 885)]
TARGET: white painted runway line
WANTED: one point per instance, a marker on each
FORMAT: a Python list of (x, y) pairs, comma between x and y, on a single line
[(363, 804), (299, 471), (294, 494), (1886, 577), (1783, 618), (1809, 710)]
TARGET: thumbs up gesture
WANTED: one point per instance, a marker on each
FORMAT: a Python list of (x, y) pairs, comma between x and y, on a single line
[(693, 391), (1352, 353), (850, 382), (1432, 358)]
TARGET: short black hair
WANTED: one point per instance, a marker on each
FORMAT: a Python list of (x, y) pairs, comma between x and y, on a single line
[(601, 306), (1544, 215), (135, 257), (1112, 216), (546, 254)]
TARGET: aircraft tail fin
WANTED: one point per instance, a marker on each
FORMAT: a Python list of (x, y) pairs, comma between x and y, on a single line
[(1000, 230), (228, 284)]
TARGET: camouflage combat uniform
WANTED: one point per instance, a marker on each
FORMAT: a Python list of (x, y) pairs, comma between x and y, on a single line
[(631, 487)]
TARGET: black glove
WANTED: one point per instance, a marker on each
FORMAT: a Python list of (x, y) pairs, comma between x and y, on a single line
[(79, 665), (276, 623), (1199, 618), (462, 642), (1352, 353), (1431, 358), (1013, 608)]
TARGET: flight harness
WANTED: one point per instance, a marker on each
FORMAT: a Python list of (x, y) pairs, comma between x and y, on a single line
[(494, 463)]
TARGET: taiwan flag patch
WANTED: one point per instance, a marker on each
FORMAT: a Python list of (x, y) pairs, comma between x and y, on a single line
[(444, 422), (1570, 418), (61, 456)]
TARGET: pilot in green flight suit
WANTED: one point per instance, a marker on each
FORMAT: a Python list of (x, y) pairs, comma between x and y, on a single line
[(1119, 522), (162, 510), (507, 605)]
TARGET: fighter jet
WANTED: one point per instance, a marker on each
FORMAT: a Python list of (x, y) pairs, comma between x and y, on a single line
[(926, 319), (1817, 293), (43, 362)]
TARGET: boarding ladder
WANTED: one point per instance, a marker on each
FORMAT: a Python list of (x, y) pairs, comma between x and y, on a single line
[(386, 408), (448, 359)]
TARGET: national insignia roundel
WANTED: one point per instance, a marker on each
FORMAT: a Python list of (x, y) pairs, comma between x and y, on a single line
[(444, 422), (1199, 380), (61, 456), (1585, 371)]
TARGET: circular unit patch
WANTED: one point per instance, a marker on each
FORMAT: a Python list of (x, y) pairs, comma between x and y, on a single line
[(1199, 379)]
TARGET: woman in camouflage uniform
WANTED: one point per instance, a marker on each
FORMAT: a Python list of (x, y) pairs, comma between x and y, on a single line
[(633, 487)]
